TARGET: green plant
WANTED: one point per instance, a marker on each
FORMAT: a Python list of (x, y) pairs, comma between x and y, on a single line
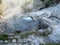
[(52, 44), (0, 1), (48, 3), (0, 12), (42, 0), (4, 36), (27, 34)]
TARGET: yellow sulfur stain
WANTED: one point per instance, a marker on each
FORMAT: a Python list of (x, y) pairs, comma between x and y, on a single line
[(6, 4)]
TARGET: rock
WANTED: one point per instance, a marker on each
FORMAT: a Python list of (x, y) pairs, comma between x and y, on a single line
[(41, 22), (6, 41), (1, 41), (45, 32), (35, 40), (21, 24), (56, 12), (41, 32), (37, 4), (42, 25), (2, 24), (55, 34), (24, 23), (14, 40)]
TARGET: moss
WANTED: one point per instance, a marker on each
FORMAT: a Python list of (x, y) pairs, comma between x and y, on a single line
[(27, 34), (42, 0), (0, 12), (44, 34), (0, 1), (48, 3), (0, 8), (3, 36), (52, 44)]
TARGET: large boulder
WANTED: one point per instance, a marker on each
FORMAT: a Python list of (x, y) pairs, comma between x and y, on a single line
[(20, 24), (24, 23)]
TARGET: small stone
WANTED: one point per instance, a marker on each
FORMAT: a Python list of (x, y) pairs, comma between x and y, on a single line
[(14, 40), (1, 41), (6, 41)]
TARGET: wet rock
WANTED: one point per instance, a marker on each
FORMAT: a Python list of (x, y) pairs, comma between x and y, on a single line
[(25, 23), (14, 40), (21, 24), (1, 41), (45, 32), (42, 25), (35, 40)]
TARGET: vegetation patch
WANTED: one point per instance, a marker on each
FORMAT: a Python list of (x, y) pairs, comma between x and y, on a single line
[(4, 36), (52, 44), (26, 34), (0, 1), (0, 12)]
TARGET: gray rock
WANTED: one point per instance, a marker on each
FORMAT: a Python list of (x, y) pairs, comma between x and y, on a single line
[(45, 32), (25, 23), (21, 24), (1, 41)]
